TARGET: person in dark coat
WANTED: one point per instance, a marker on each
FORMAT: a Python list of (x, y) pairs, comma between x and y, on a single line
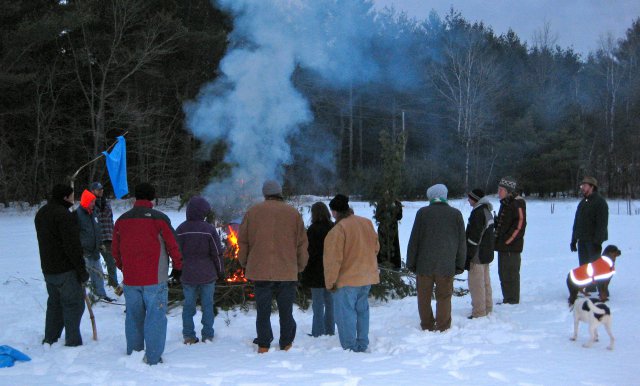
[(105, 217), (509, 242), (91, 240), (313, 274), (62, 266), (436, 253), (388, 233), (480, 242), (202, 265), (590, 226)]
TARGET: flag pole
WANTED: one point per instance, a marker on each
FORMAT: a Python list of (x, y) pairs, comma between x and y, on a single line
[(73, 177)]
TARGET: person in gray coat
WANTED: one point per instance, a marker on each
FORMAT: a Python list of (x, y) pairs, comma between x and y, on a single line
[(437, 251)]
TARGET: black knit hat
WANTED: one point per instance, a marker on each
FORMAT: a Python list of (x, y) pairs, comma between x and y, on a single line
[(60, 191), (340, 203), (145, 191), (476, 194)]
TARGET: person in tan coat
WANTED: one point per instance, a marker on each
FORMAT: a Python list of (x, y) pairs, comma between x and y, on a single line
[(350, 268), (273, 250)]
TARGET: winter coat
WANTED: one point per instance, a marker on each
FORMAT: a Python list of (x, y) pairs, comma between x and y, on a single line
[(202, 260), (105, 217), (90, 232), (59, 239), (313, 274), (437, 245), (272, 242), (351, 254), (591, 221), (143, 241), (390, 236), (511, 224), (480, 233)]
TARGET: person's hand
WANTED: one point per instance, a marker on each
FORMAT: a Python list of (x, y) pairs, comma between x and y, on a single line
[(175, 274), (573, 246)]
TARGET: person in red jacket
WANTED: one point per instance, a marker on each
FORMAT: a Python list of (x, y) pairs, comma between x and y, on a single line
[(599, 272), (143, 241)]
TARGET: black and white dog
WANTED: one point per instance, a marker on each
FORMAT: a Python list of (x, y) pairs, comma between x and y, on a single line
[(593, 312)]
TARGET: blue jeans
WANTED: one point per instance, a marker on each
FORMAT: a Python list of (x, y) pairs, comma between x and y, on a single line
[(65, 307), (191, 293), (351, 306), (322, 306), (94, 267), (146, 320), (285, 293)]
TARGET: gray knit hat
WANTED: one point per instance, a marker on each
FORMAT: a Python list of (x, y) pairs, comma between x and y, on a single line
[(437, 191), (271, 188)]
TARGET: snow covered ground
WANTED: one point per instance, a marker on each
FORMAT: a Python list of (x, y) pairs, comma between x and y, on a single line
[(525, 344)]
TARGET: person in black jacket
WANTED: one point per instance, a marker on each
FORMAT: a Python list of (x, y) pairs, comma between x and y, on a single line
[(480, 243), (62, 266), (510, 227), (313, 274)]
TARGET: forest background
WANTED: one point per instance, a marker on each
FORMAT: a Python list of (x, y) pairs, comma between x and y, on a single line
[(473, 106)]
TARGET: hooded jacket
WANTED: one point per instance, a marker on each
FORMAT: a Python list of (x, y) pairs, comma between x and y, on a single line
[(480, 233), (90, 231), (313, 274), (202, 253)]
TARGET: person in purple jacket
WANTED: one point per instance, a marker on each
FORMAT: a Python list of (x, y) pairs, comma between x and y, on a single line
[(202, 265)]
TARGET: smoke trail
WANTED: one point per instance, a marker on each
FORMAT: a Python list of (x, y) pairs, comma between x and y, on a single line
[(253, 106)]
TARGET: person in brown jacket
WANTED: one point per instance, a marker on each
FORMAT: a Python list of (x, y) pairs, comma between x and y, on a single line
[(350, 268), (273, 250)]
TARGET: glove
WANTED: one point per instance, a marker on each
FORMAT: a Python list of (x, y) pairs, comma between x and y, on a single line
[(459, 270), (175, 274), (83, 276), (573, 246)]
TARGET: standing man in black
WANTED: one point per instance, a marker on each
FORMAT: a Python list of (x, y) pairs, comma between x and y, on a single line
[(62, 265), (510, 226), (590, 224)]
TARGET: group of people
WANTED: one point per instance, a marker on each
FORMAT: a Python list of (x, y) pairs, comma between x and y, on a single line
[(337, 260)]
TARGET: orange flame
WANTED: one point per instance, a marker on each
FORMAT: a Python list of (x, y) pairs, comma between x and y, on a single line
[(238, 275)]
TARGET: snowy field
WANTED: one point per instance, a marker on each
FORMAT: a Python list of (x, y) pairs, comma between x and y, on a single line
[(525, 344)]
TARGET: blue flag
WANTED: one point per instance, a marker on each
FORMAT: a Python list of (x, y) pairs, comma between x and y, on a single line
[(117, 167)]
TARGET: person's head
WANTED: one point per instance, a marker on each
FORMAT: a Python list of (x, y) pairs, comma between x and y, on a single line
[(62, 192), (437, 192), (88, 200), (145, 191), (339, 206), (320, 213), (474, 196), (97, 189), (507, 186), (588, 186), (612, 252), (271, 188)]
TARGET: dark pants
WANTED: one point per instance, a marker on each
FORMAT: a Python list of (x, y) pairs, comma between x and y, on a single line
[(509, 273), (111, 264), (285, 293), (65, 307), (588, 252), (444, 291)]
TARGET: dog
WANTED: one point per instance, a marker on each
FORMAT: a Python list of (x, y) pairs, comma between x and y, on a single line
[(595, 313)]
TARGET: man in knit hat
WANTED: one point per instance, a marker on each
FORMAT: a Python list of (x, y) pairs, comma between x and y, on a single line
[(510, 227), (350, 268), (273, 250), (480, 242), (437, 251)]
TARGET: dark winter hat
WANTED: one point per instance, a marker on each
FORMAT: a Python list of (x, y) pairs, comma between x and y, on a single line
[(271, 188), (340, 203), (145, 191), (476, 194), (590, 180), (60, 191), (95, 186), (508, 183), (611, 249)]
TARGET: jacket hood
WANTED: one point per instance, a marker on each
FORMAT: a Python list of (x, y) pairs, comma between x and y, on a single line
[(86, 199), (197, 208), (484, 201)]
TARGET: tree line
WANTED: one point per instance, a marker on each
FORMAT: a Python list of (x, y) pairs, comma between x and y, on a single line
[(76, 74)]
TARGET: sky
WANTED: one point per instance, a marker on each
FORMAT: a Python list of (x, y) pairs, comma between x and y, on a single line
[(523, 345), (577, 23)]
